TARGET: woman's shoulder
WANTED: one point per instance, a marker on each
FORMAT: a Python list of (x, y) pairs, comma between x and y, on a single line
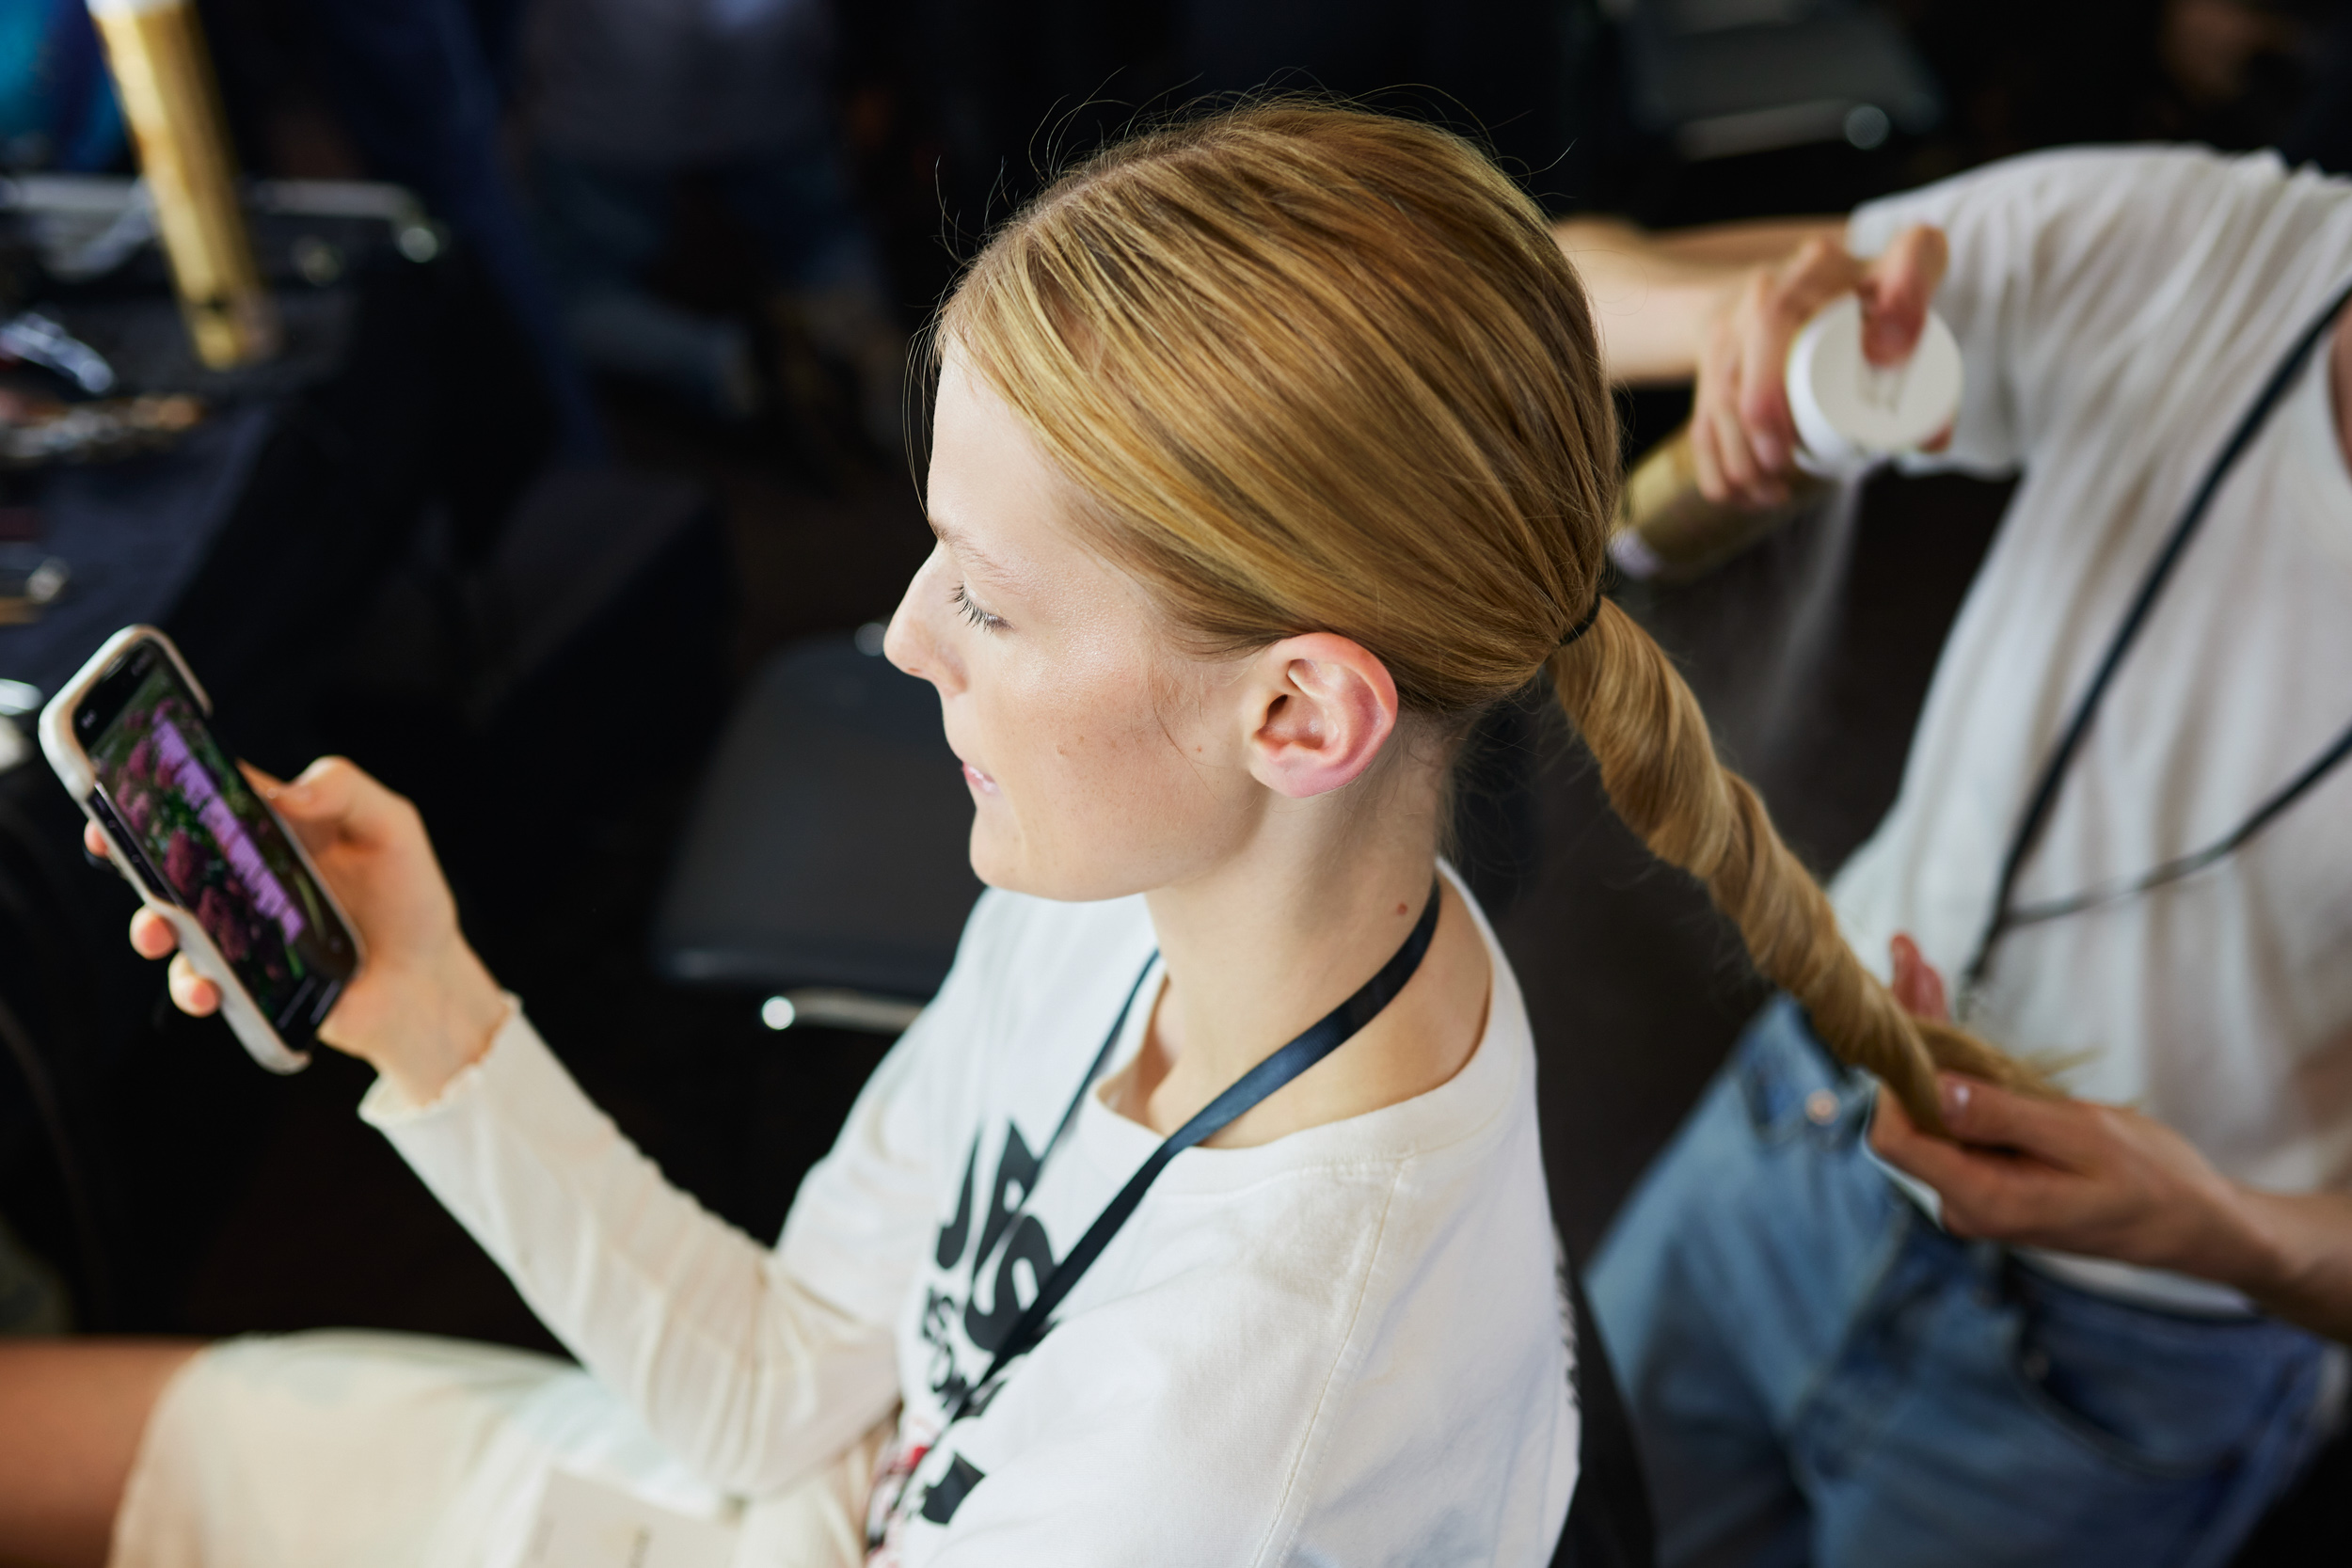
[(1388, 1324)]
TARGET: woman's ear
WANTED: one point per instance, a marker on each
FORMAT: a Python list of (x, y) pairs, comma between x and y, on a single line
[(1320, 707)]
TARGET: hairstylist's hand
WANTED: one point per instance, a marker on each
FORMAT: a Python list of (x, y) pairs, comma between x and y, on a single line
[(2064, 1174), (1742, 436), (423, 1006)]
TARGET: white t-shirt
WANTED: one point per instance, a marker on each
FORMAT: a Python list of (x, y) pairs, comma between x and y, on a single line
[(1342, 1346), (2118, 312)]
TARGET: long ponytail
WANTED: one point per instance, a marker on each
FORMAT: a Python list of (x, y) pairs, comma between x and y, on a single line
[(1659, 765)]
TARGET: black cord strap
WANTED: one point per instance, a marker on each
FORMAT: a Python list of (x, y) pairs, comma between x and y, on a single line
[(2006, 917), (1335, 1029)]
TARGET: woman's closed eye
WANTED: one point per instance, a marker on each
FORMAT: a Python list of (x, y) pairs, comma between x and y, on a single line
[(970, 608)]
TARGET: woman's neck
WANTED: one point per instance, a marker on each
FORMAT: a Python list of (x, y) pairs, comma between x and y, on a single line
[(1276, 937)]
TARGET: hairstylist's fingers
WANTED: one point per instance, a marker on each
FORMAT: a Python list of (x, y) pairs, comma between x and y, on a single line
[(1982, 1192), (1762, 395), (1916, 985), (1892, 1131), (1720, 462), (1734, 459), (191, 993), (1895, 292), (2063, 1132), (152, 935), (1898, 1140), (1772, 309), (1708, 467)]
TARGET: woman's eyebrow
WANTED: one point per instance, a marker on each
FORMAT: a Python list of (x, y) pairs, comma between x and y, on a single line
[(971, 555)]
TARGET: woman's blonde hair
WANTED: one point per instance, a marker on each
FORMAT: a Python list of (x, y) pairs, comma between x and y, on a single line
[(1319, 370)]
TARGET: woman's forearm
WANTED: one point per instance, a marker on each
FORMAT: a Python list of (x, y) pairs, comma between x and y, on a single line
[(729, 1357)]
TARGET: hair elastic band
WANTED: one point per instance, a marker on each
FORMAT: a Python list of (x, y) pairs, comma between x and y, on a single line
[(1586, 623)]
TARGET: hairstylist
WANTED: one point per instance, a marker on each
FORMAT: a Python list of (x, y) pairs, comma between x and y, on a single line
[(2124, 844)]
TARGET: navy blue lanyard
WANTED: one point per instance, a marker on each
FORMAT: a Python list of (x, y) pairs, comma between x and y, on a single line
[(2007, 914), (1335, 1029)]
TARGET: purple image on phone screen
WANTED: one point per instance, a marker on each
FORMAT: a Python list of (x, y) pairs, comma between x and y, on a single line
[(222, 855)]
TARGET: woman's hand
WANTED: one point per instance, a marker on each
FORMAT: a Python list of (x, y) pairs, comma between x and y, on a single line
[(1742, 436), (423, 1006), (2108, 1182)]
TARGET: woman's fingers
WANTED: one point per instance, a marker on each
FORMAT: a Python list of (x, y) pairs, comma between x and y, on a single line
[(261, 779), (152, 935), (191, 993), (336, 794), (334, 803)]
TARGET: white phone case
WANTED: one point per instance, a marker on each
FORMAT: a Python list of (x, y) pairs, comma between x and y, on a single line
[(80, 777)]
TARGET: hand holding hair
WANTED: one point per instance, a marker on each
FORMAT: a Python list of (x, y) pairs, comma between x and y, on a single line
[(2105, 1181)]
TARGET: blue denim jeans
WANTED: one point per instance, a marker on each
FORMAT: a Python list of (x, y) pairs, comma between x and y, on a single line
[(1817, 1374)]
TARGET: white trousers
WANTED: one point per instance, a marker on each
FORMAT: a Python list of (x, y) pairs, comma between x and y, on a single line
[(382, 1450)]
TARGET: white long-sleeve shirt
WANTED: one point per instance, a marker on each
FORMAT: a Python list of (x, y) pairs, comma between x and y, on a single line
[(2118, 309), (1344, 1346)]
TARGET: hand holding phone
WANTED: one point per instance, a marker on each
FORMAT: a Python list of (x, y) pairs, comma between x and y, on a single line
[(423, 1007), (272, 891)]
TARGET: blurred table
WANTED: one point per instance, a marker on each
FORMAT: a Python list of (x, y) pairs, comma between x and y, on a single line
[(260, 538), (136, 534)]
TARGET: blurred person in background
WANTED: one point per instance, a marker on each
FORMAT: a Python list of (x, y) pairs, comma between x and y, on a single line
[(57, 109), (421, 91), (2114, 1346), (626, 98)]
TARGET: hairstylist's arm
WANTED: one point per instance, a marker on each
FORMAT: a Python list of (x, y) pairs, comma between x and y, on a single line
[(2110, 1182), (1724, 305), (422, 1008), (1653, 294)]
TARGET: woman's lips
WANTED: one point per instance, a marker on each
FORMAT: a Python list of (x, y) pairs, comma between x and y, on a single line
[(979, 780)]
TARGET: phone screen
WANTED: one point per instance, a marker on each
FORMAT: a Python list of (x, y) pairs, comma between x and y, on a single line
[(200, 838)]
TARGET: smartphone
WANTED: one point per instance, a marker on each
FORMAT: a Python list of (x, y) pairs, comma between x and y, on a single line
[(130, 736)]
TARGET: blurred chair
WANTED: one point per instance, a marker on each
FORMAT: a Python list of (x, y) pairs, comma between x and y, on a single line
[(826, 860), (826, 864), (1719, 78)]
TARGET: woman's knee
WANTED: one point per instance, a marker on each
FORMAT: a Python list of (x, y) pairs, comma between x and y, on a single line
[(72, 1414)]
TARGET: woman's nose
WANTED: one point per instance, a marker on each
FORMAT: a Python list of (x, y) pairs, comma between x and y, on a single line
[(912, 642)]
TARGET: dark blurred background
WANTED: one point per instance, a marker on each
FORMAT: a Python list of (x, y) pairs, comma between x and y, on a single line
[(574, 436)]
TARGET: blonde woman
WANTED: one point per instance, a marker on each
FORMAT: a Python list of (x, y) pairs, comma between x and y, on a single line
[(1269, 451)]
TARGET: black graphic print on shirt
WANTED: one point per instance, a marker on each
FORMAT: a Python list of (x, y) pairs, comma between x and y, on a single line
[(998, 1280), (979, 1286)]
